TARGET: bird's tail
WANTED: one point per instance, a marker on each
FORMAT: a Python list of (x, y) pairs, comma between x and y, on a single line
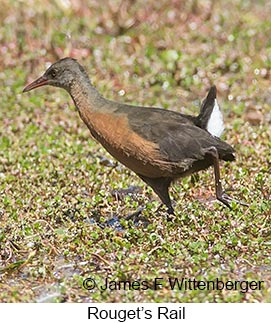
[(210, 117)]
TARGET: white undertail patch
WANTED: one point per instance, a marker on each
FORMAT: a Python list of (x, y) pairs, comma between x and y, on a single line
[(215, 124)]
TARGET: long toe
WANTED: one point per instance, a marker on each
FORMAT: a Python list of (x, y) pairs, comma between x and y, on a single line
[(137, 217), (134, 215), (226, 199)]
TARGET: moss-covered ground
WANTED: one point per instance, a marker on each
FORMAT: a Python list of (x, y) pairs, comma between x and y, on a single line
[(58, 187)]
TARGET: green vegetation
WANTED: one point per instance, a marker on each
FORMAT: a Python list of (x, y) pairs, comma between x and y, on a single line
[(58, 187)]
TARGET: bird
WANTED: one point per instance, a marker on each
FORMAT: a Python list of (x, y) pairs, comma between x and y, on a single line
[(157, 144)]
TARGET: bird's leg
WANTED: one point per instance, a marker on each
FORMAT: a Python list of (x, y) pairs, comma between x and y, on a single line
[(167, 202), (170, 210), (160, 186), (220, 193)]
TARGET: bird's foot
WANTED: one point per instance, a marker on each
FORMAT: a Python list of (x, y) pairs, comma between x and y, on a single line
[(170, 214), (226, 199), (137, 217), (135, 214)]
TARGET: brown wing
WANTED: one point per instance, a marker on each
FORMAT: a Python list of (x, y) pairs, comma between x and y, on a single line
[(176, 134)]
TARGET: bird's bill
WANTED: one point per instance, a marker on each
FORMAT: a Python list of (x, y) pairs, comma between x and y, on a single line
[(37, 83)]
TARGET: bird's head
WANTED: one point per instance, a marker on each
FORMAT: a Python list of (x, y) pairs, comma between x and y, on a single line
[(60, 74)]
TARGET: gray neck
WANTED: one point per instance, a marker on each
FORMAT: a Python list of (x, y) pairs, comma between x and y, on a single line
[(86, 98)]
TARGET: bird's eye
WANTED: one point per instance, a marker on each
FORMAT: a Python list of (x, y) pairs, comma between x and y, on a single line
[(53, 73)]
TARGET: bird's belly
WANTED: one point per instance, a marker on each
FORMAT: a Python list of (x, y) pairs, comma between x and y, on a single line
[(139, 164), (140, 155)]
